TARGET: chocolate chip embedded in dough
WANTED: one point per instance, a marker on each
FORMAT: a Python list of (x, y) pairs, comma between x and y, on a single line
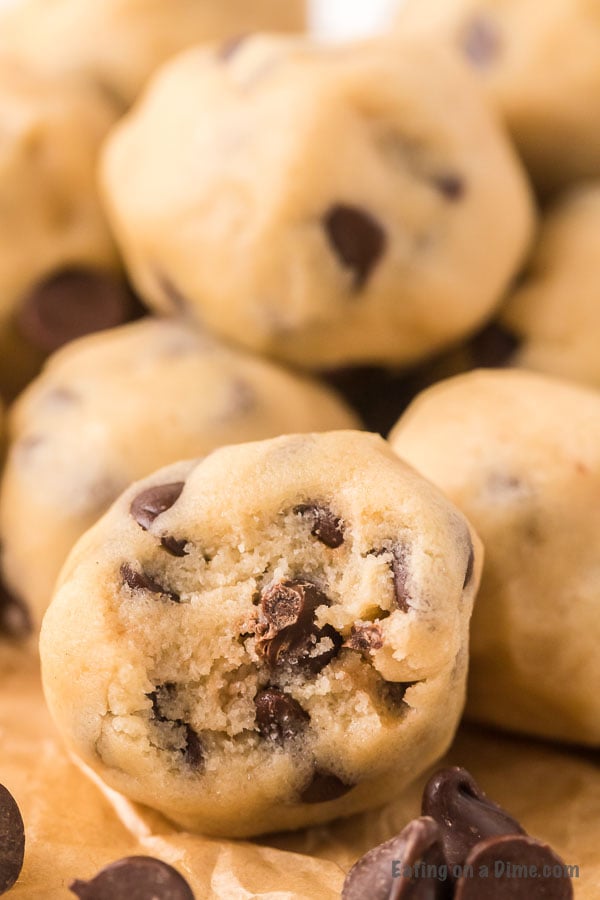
[(326, 526), (464, 814), (480, 41), (399, 566), (12, 840), (357, 238), (505, 859), (161, 698), (452, 187), (193, 752), (279, 717), (394, 692), (152, 502), (140, 581), (73, 303), (384, 872), (365, 637), (173, 545), (134, 878), (324, 787)]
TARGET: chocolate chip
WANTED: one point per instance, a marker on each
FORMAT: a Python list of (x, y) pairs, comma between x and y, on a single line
[(174, 546), (140, 581), (365, 638), (450, 186), (12, 840), (154, 501), (480, 41), (229, 48), (470, 566), (398, 564), (164, 696), (15, 621), (73, 303), (357, 238), (324, 787), (464, 814), (287, 632), (326, 526), (393, 692), (134, 878), (194, 748), (279, 717), (514, 866), (384, 873)]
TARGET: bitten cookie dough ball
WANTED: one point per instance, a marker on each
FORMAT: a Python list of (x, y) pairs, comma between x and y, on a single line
[(322, 205), (555, 314), (519, 453), (540, 64), (117, 44), (272, 637), (112, 408), (58, 266)]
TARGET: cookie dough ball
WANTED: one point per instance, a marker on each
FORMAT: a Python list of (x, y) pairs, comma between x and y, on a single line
[(322, 205), (555, 314), (113, 407), (300, 656), (117, 44), (519, 453), (539, 62), (58, 266)]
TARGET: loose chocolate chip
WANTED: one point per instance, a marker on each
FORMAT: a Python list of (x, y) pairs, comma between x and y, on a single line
[(393, 692), (388, 871), (12, 840), (324, 787), (480, 42), (326, 526), (464, 814), (279, 717), (15, 621), (229, 48), (399, 566), (450, 186), (174, 546), (365, 638), (73, 303), (135, 878), (139, 581), (154, 501), (357, 238), (503, 867), (287, 632)]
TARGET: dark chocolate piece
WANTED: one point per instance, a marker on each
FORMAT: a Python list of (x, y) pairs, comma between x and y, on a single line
[(480, 41), (12, 840), (134, 878), (163, 696), (357, 239), (324, 787), (73, 303), (326, 526), (154, 501), (365, 638), (398, 564), (279, 717), (397, 869), (140, 581), (173, 545), (451, 186), (464, 814)]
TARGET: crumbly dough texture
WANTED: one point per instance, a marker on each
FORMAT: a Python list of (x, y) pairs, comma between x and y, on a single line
[(51, 215), (554, 313), (523, 53), (382, 247), (111, 408), (301, 656), (519, 453), (117, 44)]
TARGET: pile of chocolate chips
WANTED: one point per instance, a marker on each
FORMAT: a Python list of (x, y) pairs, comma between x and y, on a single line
[(463, 847)]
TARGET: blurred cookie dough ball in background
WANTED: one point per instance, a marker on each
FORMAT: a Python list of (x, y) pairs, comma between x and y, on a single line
[(554, 315), (539, 62), (59, 270), (113, 407), (324, 206), (117, 44), (519, 454)]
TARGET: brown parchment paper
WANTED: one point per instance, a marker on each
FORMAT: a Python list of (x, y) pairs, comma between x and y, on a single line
[(74, 826)]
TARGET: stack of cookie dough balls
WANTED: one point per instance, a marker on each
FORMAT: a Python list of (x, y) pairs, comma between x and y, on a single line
[(519, 453), (268, 638), (109, 409), (324, 206), (58, 265), (539, 63), (117, 44)]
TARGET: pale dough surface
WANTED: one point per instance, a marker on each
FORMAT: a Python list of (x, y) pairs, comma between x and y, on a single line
[(113, 407), (321, 205), (519, 453)]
